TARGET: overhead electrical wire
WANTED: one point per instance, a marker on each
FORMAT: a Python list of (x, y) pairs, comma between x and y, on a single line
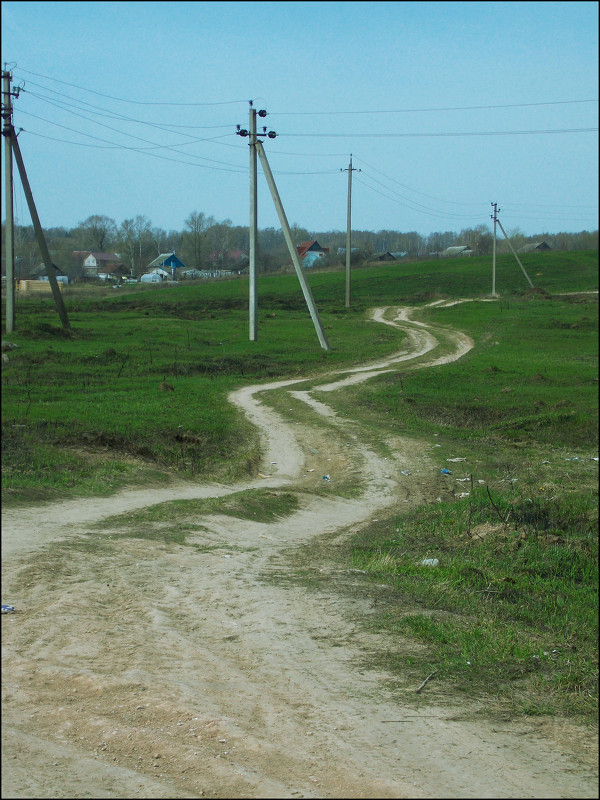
[(448, 133), (427, 110), (154, 145), (143, 151), (115, 115), (92, 110), (420, 209), (128, 100), (404, 186)]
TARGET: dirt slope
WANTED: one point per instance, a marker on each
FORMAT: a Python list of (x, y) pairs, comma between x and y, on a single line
[(147, 670)]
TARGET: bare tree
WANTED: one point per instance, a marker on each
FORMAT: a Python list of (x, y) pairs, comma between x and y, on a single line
[(99, 232), (195, 240), (135, 240)]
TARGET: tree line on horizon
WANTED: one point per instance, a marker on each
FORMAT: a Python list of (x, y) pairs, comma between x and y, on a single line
[(137, 242)]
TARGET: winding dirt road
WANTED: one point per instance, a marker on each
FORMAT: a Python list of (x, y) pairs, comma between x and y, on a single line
[(141, 669)]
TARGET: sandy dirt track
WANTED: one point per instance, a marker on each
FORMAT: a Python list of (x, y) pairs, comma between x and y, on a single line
[(148, 670)]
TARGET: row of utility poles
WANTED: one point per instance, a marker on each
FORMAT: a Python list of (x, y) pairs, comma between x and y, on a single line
[(256, 148), (11, 147)]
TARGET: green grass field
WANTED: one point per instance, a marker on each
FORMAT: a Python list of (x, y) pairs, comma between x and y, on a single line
[(136, 392)]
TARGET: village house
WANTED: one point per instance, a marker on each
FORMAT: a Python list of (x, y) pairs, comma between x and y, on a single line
[(310, 253), (534, 246), (229, 259), (453, 252), (166, 265), (100, 265)]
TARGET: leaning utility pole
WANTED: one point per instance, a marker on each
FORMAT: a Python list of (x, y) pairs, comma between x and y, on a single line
[(350, 170), (39, 233), (292, 249), (515, 255), (9, 239)]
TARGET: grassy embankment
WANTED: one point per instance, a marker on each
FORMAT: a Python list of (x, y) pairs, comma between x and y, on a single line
[(510, 612)]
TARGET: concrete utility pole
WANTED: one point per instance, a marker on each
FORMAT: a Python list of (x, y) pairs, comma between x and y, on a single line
[(39, 233), (253, 333), (495, 218), (292, 248), (350, 170), (257, 147), (9, 239)]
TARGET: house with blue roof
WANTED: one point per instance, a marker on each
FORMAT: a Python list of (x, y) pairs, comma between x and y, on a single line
[(166, 263)]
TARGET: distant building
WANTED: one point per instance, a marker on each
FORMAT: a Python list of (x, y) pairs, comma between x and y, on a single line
[(452, 252), (529, 248), (311, 252), (151, 277), (96, 264), (169, 263), (40, 273), (234, 259), (387, 256)]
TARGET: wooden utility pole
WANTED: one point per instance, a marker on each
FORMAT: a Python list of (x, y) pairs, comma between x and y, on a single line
[(253, 332), (291, 247), (9, 238), (39, 233), (349, 230)]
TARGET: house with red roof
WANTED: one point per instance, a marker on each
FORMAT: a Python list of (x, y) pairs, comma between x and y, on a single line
[(310, 253)]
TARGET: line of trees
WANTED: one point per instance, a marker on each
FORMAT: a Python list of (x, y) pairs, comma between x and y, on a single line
[(137, 242)]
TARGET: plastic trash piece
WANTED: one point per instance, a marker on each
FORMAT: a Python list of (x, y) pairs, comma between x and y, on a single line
[(456, 459), (326, 478), (430, 562), (446, 471), (7, 609)]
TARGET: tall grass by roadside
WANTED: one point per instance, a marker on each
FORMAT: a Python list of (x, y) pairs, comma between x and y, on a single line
[(510, 607)]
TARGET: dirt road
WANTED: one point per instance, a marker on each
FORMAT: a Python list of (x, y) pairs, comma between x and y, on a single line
[(141, 669)]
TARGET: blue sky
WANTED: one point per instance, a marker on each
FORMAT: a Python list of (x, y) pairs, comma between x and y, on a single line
[(131, 108)]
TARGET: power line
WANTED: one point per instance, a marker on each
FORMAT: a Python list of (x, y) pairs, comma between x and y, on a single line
[(424, 110), (142, 151), (422, 210), (126, 147), (404, 186), (111, 114), (416, 206), (126, 100), (446, 134)]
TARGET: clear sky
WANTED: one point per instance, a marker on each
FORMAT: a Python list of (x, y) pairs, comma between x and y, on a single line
[(131, 108)]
